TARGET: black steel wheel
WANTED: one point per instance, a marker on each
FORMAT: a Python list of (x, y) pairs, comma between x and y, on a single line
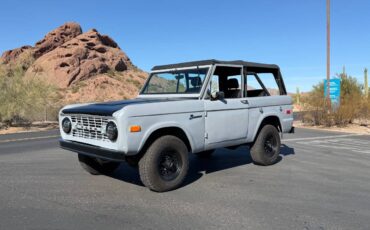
[(266, 149), (165, 164), (169, 165), (270, 144)]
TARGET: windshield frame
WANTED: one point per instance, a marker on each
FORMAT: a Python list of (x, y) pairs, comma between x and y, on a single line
[(192, 95)]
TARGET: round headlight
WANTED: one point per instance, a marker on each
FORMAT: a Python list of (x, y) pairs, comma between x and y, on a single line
[(112, 131), (66, 125)]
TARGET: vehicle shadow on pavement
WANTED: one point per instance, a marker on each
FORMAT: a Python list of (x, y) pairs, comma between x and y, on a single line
[(286, 150), (222, 159), (127, 174)]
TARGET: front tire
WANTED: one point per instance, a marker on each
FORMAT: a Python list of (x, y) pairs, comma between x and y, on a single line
[(165, 164), (265, 150), (96, 166)]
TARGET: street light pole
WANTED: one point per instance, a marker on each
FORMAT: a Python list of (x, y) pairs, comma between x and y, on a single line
[(328, 54)]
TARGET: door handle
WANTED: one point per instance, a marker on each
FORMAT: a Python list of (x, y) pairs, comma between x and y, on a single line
[(244, 102), (194, 117)]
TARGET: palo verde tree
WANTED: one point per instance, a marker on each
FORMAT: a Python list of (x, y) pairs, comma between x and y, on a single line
[(21, 99)]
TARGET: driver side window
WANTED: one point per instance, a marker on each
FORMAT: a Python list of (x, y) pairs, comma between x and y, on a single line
[(227, 80)]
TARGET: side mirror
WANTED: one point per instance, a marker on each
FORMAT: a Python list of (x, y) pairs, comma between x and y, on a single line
[(217, 95)]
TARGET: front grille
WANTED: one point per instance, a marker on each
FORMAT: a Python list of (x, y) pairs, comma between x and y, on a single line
[(89, 127)]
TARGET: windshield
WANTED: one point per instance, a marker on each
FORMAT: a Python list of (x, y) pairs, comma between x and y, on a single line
[(188, 81)]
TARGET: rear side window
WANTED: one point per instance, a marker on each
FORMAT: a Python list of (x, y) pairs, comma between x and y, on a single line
[(252, 83), (270, 83), (261, 85)]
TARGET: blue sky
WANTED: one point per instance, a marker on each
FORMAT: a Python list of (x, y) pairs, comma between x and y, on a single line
[(290, 33)]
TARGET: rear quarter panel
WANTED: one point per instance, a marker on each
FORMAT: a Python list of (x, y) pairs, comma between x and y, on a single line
[(262, 107)]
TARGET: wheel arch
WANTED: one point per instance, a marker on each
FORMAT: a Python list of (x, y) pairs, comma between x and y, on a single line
[(162, 131), (273, 120)]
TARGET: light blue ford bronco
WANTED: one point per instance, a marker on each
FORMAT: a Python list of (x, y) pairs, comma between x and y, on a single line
[(193, 107)]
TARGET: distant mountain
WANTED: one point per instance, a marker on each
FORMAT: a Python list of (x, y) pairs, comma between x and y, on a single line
[(83, 66)]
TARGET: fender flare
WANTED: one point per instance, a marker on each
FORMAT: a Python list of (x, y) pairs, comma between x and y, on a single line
[(163, 125), (260, 122)]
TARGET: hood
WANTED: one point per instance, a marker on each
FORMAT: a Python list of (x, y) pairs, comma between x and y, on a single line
[(108, 108)]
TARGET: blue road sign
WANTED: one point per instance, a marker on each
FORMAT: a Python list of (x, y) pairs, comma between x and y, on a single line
[(334, 91)]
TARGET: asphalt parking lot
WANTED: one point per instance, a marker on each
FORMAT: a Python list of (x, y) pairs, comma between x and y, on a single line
[(321, 182)]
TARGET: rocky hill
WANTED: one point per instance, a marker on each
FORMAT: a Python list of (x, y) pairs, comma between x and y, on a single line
[(83, 66)]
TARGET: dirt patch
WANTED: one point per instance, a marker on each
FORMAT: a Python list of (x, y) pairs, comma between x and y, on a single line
[(34, 127), (351, 128)]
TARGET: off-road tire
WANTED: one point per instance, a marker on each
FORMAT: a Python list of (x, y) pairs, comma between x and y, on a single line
[(154, 165), (96, 167), (205, 154), (265, 150)]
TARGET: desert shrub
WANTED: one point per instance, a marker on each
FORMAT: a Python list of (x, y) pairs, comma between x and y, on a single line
[(112, 73), (314, 103), (19, 66), (22, 100), (350, 106), (76, 87), (136, 83), (364, 114)]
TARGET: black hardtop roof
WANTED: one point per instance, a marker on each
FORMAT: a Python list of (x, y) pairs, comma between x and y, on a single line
[(213, 61)]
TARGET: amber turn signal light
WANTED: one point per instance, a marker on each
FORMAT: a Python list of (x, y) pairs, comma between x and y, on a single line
[(135, 128)]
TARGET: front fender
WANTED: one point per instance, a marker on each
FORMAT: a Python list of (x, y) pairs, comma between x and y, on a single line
[(150, 130)]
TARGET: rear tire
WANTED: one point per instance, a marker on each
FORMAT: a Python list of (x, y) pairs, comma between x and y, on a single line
[(165, 164), (96, 166), (265, 150), (205, 154)]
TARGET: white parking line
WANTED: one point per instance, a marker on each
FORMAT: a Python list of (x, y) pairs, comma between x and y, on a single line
[(28, 139), (342, 142), (323, 137)]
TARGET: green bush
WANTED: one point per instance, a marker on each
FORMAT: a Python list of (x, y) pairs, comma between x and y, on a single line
[(22, 100), (365, 111), (351, 103)]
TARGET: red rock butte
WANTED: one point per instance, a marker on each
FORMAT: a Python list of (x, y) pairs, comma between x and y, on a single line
[(66, 56)]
